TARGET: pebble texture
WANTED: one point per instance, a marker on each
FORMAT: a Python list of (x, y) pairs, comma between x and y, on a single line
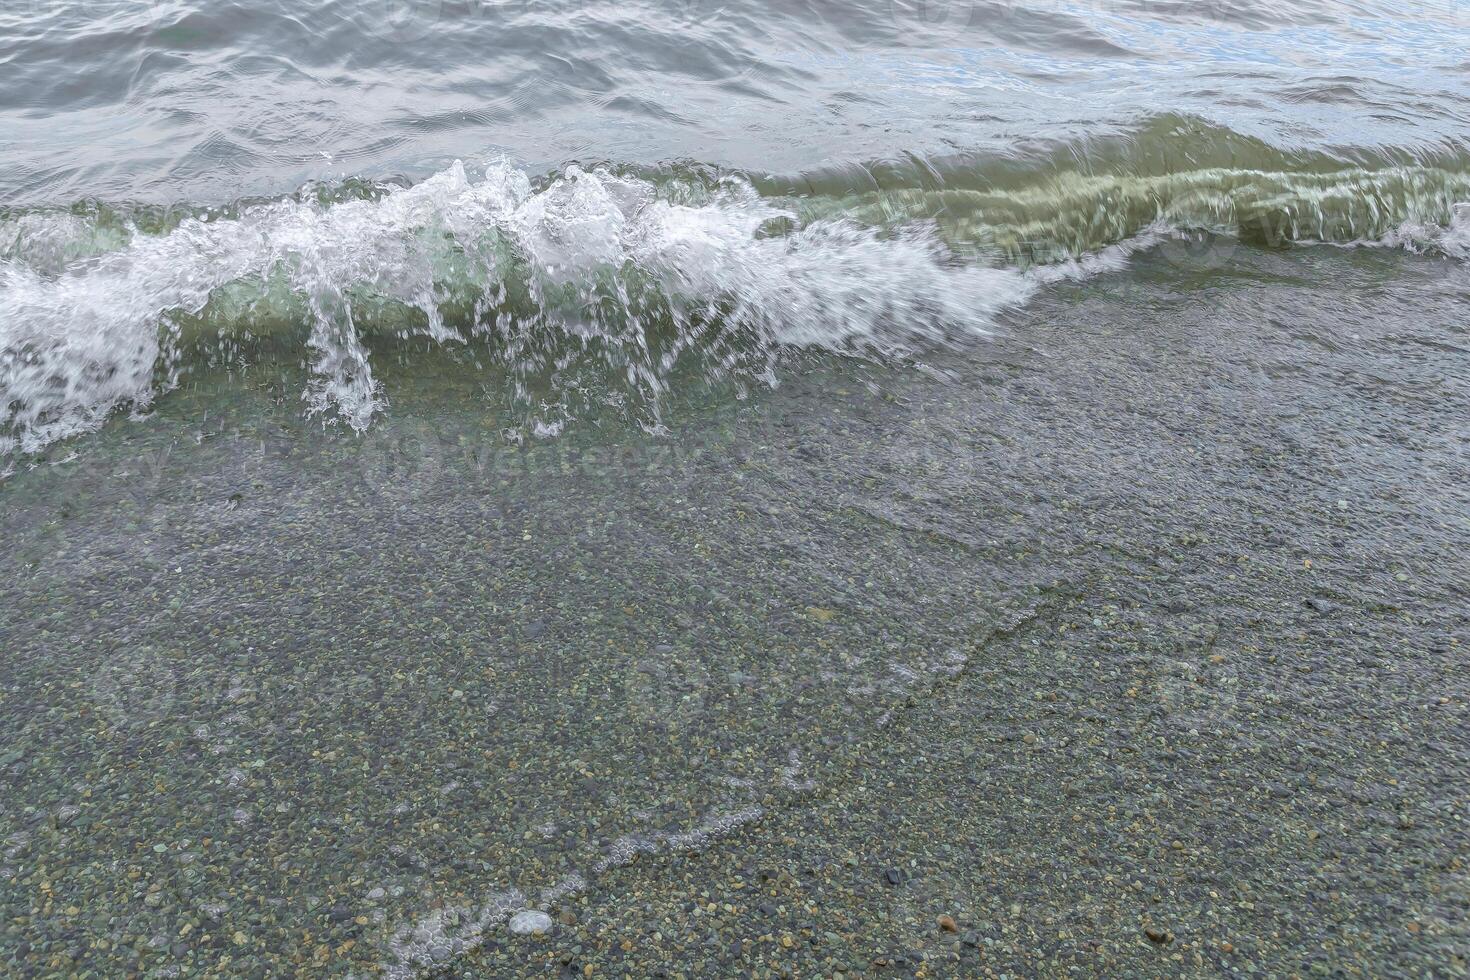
[(1132, 645)]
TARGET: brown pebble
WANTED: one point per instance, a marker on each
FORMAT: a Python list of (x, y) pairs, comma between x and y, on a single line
[(948, 924), (1157, 935)]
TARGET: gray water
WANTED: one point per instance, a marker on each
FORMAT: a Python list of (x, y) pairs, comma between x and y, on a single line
[(692, 187), (453, 452), (182, 103)]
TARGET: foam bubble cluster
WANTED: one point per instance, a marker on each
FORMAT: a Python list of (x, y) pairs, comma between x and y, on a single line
[(591, 262)]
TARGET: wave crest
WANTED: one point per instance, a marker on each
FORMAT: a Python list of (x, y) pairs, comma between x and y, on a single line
[(592, 260), (602, 284)]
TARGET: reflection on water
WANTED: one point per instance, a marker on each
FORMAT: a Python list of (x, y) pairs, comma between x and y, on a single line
[(167, 100)]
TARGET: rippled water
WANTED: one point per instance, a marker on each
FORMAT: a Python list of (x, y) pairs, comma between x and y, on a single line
[(451, 448), (169, 101), (603, 196)]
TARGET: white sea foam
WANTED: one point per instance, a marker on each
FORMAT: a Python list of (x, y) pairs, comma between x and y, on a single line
[(1452, 240), (605, 268), (593, 256)]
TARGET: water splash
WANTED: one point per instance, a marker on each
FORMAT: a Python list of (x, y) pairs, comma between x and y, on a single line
[(593, 261), (602, 284)]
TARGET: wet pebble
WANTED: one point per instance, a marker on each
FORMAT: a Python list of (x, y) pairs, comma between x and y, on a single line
[(529, 922), (1158, 936)]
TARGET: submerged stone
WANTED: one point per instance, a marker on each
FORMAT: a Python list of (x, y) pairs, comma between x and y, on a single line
[(530, 921)]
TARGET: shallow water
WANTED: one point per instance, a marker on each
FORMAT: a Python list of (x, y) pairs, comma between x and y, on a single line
[(452, 450), (284, 697)]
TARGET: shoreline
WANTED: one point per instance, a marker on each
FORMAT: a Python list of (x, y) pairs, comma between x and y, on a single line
[(1186, 568)]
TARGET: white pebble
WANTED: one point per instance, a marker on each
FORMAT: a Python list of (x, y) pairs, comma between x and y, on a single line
[(528, 921)]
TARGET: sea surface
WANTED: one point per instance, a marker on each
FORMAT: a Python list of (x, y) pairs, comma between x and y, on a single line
[(596, 198), (454, 448)]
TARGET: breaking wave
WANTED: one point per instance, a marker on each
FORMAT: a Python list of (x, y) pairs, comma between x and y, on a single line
[(635, 276)]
